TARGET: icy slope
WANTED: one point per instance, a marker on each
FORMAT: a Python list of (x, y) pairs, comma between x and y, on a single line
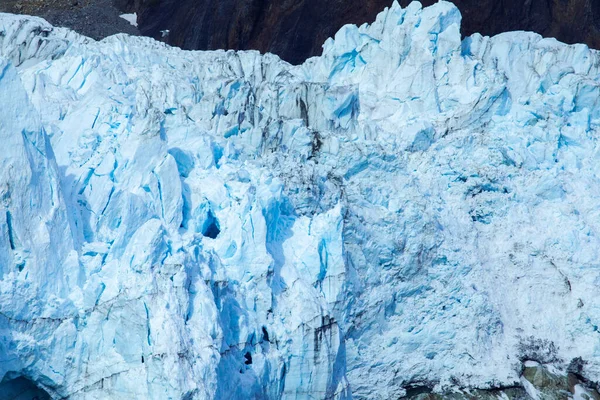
[(406, 210)]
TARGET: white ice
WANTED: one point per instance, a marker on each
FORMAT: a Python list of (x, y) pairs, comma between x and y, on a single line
[(131, 18), (408, 208)]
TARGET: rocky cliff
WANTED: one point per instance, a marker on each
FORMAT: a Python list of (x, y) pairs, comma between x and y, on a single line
[(296, 29)]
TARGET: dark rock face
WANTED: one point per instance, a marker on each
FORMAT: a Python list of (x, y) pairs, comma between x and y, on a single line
[(293, 29), (296, 29), (93, 18)]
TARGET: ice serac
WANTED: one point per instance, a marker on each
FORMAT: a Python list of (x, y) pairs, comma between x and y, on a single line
[(407, 213)]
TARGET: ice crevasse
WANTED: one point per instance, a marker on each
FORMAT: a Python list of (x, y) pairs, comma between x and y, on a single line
[(408, 209)]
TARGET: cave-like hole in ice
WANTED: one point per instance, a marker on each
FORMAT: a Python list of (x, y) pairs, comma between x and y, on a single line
[(265, 334), (21, 388), (247, 358), (211, 227)]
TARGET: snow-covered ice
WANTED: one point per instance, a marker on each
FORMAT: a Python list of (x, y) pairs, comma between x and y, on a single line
[(406, 209), (131, 18)]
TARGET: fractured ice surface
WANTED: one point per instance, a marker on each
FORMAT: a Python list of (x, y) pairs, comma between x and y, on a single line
[(406, 209)]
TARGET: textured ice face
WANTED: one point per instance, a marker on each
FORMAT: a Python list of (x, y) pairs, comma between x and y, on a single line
[(408, 208)]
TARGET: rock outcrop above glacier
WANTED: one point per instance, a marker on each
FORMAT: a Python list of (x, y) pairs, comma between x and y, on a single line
[(296, 29), (409, 212)]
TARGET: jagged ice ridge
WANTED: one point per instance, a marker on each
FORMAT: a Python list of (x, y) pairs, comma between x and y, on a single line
[(408, 208)]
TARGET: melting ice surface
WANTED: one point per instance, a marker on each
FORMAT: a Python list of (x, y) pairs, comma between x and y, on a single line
[(406, 208)]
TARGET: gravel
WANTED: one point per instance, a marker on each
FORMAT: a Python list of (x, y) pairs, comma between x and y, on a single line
[(94, 18)]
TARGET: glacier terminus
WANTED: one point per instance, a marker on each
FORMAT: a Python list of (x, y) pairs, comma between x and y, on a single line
[(410, 214)]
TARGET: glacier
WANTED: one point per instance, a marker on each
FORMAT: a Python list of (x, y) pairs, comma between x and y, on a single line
[(410, 211)]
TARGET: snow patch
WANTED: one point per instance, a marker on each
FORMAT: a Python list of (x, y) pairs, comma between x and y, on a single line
[(131, 18)]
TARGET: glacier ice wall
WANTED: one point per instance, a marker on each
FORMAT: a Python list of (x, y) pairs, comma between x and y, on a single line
[(407, 209)]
